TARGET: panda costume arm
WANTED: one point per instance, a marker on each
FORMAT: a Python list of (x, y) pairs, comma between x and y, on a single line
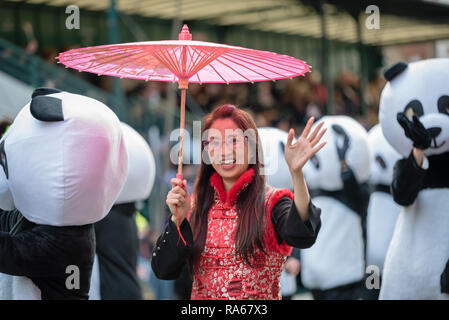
[(8, 219), (408, 179), (42, 251), (408, 175), (357, 194), (18, 254)]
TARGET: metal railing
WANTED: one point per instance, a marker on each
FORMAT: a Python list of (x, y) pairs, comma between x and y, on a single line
[(36, 72)]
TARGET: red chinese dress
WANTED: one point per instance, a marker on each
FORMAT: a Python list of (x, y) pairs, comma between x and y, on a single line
[(219, 274)]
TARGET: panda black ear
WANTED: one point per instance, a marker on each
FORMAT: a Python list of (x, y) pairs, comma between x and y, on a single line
[(395, 70), (45, 108), (44, 92)]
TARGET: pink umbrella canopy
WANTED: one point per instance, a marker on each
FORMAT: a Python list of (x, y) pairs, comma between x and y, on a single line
[(184, 61)]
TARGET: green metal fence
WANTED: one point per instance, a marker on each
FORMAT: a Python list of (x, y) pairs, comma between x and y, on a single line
[(36, 72)]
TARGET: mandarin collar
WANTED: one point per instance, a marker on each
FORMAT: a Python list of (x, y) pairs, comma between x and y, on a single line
[(230, 198)]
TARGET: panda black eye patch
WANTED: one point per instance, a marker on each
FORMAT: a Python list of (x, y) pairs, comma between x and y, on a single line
[(443, 104), (381, 162), (414, 107)]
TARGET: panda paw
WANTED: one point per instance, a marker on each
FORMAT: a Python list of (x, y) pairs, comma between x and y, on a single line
[(415, 131)]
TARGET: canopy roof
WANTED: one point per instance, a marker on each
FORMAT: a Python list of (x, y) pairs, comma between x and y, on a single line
[(401, 21)]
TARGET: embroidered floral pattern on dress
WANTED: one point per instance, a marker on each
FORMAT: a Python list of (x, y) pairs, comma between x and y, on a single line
[(220, 274)]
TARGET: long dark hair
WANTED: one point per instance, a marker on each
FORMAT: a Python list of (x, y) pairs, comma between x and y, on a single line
[(250, 226)]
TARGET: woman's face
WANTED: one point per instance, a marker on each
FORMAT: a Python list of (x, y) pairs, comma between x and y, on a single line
[(227, 148)]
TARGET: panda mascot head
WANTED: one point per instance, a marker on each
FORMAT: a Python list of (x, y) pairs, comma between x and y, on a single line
[(384, 157), (273, 142), (139, 183), (141, 167), (63, 160), (419, 89), (323, 170)]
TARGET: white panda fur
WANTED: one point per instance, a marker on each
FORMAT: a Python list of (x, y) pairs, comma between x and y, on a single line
[(414, 263), (18, 288), (382, 210), (419, 248), (273, 142), (138, 186), (337, 258), (141, 167), (54, 182), (95, 285), (63, 192), (6, 287)]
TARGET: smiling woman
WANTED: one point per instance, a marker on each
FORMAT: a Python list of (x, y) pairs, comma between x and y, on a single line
[(237, 229)]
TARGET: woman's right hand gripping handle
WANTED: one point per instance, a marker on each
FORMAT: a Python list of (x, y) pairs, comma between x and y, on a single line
[(178, 200)]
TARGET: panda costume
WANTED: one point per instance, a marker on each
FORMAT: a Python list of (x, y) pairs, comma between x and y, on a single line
[(63, 165), (278, 176), (414, 113), (114, 275), (382, 210), (334, 268)]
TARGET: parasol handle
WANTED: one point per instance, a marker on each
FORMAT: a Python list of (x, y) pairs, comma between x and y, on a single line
[(180, 177), (183, 86), (181, 127)]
